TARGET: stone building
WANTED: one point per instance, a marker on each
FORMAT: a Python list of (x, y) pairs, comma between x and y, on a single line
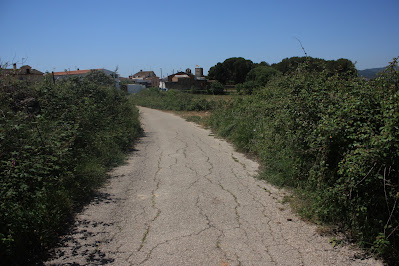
[(146, 78), (187, 81), (26, 72)]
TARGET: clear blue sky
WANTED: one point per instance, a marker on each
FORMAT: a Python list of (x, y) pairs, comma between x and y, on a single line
[(169, 34)]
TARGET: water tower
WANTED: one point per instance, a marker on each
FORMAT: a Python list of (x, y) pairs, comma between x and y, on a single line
[(199, 72)]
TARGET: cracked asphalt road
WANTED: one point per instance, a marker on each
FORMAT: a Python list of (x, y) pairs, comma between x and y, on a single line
[(187, 198)]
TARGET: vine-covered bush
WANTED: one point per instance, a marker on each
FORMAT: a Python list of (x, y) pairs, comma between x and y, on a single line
[(334, 136), (56, 143)]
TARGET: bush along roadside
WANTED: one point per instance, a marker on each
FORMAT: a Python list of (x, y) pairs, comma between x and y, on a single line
[(171, 100), (56, 143), (335, 138)]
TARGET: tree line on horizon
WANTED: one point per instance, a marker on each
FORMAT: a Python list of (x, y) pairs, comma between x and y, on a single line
[(247, 75)]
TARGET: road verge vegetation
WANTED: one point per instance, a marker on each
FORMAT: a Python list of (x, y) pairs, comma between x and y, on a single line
[(173, 100), (57, 142), (335, 139)]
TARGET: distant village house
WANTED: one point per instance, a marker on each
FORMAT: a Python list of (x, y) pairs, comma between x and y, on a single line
[(24, 73), (146, 78), (186, 80)]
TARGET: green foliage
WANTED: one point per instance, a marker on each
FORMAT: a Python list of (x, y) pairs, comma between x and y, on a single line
[(99, 77), (335, 137), (56, 143), (261, 75), (237, 70), (256, 78), (171, 100), (340, 66), (217, 88), (244, 73), (263, 63), (246, 88), (232, 71)]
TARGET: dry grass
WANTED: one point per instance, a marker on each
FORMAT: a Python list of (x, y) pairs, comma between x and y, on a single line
[(199, 117)]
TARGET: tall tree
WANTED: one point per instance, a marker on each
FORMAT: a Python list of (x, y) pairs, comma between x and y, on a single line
[(232, 71)]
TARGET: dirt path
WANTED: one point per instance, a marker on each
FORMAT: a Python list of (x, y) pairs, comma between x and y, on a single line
[(187, 198)]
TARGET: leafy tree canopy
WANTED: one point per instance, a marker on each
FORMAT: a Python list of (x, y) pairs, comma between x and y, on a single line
[(263, 63), (261, 75), (232, 71), (99, 77), (340, 66), (258, 77)]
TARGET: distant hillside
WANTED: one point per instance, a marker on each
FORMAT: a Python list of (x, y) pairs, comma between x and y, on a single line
[(370, 73)]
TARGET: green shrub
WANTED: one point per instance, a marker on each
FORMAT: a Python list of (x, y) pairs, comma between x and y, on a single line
[(57, 142), (99, 77), (334, 136), (217, 88), (171, 100), (246, 88)]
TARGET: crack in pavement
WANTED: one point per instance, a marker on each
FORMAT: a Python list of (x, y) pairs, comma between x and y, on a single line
[(168, 241), (187, 198), (153, 201)]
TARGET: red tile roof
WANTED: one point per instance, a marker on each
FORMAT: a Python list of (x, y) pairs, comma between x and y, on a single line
[(74, 72)]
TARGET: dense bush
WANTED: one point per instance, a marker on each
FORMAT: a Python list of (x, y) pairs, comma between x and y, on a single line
[(171, 100), (99, 77), (335, 137), (56, 143), (217, 88), (232, 71), (256, 78), (246, 88), (340, 66), (261, 75)]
